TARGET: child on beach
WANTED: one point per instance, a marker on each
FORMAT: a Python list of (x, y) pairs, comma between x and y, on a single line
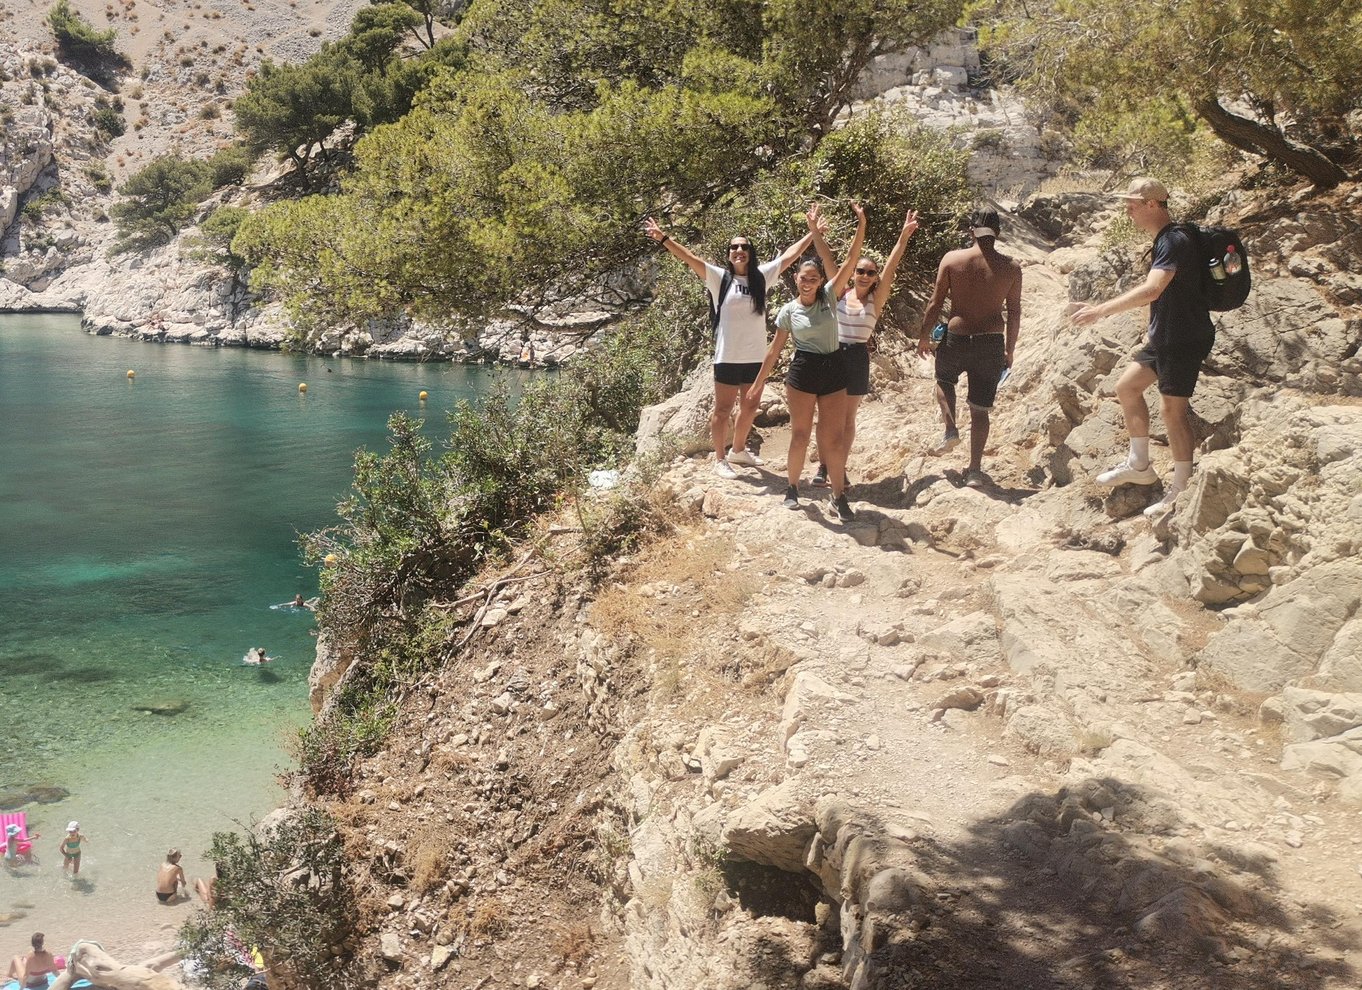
[(70, 848)]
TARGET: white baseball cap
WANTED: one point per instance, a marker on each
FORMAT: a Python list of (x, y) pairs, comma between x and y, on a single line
[(73, 826)]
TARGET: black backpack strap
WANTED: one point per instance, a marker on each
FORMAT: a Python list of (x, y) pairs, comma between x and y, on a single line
[(725, 284)]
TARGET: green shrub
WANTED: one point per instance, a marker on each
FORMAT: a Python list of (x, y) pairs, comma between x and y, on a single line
[(230, 166), (79, 38), (108, 121), (158, 201), (282, 890)]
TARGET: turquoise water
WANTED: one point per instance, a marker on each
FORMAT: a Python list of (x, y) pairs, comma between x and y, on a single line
[(146, 528)]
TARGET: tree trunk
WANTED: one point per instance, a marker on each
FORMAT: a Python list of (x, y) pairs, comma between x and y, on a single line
[(1260, 139), (89, 962)]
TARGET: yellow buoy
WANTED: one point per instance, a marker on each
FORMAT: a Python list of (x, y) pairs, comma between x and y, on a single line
[(302, 388), (131, 373), (423, 396), (331, 560)]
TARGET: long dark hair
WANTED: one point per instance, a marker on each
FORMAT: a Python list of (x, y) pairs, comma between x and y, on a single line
[(756, 282)]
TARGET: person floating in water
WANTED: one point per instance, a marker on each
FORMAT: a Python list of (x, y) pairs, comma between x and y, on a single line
[(298, 601), (70, 848), (255, 656)]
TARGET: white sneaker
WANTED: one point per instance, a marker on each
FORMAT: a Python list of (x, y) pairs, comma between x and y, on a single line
[(1126, 473), (949, 441), (723, 470), (1162, 505), (744, 457)]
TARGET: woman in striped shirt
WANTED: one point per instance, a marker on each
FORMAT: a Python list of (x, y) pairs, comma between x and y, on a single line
[(859, 306)]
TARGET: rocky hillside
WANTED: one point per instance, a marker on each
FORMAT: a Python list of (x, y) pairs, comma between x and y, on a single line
[(1017, 735)]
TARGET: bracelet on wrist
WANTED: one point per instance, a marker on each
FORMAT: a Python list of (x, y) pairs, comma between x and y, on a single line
[(664, 240)]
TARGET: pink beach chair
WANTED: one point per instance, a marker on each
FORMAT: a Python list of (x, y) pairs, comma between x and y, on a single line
[(14, 837)]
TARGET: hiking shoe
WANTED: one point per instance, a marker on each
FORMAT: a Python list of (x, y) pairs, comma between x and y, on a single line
[(791, 498), (723, 470), (820, 480), (949, 441), (744, 457), (843, 508), (975, 478), (1162, 505), (1127, 473)]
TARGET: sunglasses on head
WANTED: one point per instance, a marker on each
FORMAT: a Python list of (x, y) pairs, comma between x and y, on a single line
[(740, 247), (867, 271)]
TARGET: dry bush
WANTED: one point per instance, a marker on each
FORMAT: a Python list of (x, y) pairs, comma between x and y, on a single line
[(698, 569), (574, 942), (490, 919), (428, 855)]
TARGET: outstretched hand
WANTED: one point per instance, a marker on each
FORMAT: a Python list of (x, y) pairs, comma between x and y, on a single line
[(818, 224), (1086, 316), (651, 228), (910, 223), (859, 210)]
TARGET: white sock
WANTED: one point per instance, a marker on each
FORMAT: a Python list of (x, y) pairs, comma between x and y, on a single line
[(1139, 452), (1182, 473)]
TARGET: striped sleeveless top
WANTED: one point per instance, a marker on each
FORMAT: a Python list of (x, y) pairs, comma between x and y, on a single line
[(855, 326)]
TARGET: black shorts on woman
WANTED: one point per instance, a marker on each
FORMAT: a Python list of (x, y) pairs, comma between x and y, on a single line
[(817, 374), (857, 360)]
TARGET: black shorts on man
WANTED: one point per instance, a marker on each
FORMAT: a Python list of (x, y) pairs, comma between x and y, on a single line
[(857, 357), (1177, 368), (817, 374), (981, 356), (736, 374)]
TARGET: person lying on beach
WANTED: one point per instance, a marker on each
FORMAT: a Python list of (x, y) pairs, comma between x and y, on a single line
[(171, 884)]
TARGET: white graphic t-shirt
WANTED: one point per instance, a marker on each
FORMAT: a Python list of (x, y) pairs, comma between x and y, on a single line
[(741, 336)]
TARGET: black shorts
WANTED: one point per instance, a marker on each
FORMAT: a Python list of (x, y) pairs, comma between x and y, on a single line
[(164, 898), (982, 356), (817, 374), (736, 374), (857, 358), (1177, 369)]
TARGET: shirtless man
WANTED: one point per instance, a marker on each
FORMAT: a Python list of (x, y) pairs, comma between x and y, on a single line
[(171, 884), (980, 282)]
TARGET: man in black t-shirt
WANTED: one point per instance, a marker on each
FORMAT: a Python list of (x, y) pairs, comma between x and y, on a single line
[(1180, 337)]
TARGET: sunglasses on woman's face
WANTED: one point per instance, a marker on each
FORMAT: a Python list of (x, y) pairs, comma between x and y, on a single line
[(740, 247), (867, 271)]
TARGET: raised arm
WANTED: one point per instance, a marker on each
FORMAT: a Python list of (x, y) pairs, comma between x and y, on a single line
[(693, 261), (940, 290), (891, 263), (818, 230), (854, 252), (793, 252)]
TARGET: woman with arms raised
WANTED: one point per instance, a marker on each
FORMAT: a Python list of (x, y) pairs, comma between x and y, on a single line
[(859, 307), (817, 376), (738, 313)]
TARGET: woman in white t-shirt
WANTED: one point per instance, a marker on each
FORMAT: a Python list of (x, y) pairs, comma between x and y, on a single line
[(860, 305), (739, 291)]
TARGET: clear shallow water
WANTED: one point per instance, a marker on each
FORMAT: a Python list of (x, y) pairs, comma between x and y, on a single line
[(146, 527)]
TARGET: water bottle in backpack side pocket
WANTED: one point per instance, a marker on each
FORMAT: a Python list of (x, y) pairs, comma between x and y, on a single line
[(1233, 263), (1217, 269), (938, 335)]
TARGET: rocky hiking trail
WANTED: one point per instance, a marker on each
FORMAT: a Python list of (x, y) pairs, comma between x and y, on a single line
[(1016, 735)]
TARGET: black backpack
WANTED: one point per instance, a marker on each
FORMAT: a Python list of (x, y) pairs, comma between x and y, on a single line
[(1221, 294), (725, 284)]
